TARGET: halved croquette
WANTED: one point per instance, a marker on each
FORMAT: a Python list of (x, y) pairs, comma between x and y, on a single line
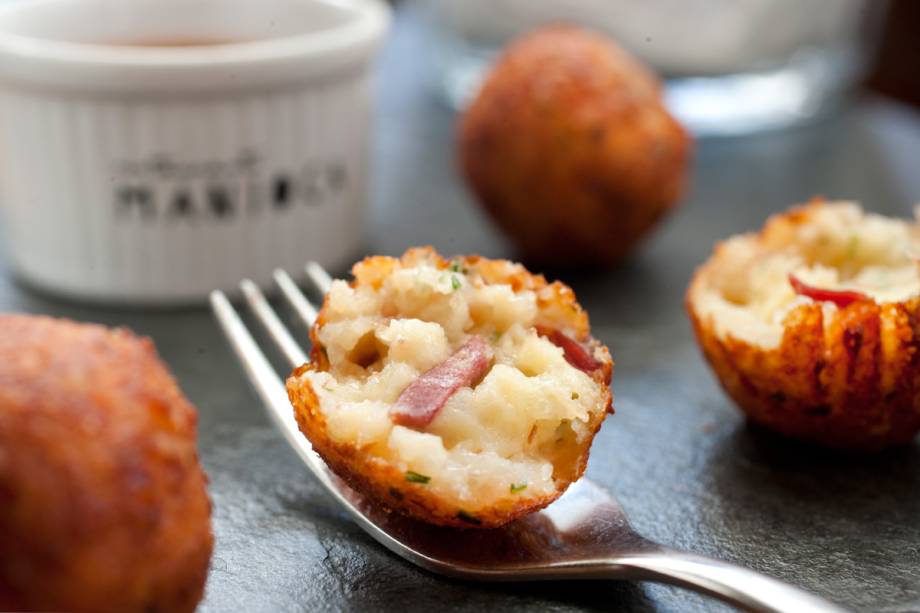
[(462, 392)]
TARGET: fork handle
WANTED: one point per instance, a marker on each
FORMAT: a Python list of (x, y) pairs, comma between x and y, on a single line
[(743, 588)]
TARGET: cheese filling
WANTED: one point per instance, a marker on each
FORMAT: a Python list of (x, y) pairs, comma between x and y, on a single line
[(747, 293), (511, 434)]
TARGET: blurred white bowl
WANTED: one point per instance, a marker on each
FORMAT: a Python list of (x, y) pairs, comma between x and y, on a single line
[(138, 167)]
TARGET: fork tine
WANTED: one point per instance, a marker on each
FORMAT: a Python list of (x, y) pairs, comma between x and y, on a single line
[(271, 390), (272, 323), (295, 297), (319, 276), (266, 382)]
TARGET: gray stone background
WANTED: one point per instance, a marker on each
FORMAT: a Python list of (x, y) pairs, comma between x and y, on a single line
[(687, 468)]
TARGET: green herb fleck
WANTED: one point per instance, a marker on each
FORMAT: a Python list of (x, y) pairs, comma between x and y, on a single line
[(517, 487), (455, 282), (575, 396), (455, 266), (852, 246), (496, 335), (464, 516), (415, 477)]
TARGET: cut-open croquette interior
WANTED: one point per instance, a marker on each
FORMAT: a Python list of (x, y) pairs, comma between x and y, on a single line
[(831, 253), (472, 378)]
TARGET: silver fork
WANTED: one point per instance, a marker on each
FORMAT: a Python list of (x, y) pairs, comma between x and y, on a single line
[(583, 535)]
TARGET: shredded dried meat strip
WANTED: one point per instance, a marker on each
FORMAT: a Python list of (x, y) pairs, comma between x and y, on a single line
[(575, 352), (420, 402), (840, 297)]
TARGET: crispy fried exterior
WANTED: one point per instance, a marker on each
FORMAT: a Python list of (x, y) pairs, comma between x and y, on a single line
[(570, 149), (382, 481), (102, 500), (851, 383)]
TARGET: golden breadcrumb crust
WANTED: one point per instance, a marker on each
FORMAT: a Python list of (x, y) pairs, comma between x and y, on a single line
[(570, 149), (382, 481), (851, 382), (102, 500)]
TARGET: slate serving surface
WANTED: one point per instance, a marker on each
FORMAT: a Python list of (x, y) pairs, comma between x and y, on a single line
[(682, 461)]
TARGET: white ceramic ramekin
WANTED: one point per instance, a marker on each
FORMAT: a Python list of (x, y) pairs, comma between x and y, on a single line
[(154, 174)]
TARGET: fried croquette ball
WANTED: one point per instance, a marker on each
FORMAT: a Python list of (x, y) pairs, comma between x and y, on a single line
[(570, 149), (463, 393), (812, 325), (102, 500)]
